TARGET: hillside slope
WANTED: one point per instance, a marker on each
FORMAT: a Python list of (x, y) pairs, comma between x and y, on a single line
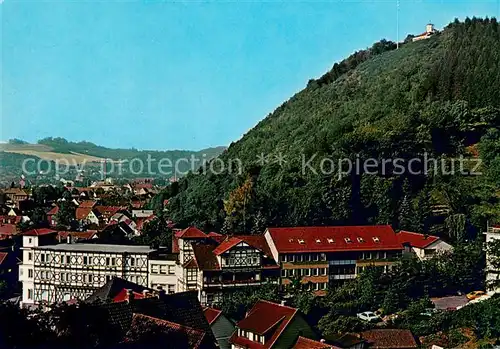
[(439, 96)]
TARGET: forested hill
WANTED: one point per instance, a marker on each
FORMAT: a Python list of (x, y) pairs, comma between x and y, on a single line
[(439, 96)]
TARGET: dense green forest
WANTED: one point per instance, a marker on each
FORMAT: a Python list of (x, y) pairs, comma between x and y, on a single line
[(432, 99)]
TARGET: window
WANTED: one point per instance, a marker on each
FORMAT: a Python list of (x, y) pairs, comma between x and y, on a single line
[(300, 258), (315, 272), (30, 293), (292, 258), (283, 272), (322, 271), (30, 273), (171, 269), (90, 277), (163, 269), (107, 260), (85, 260), (68, 260), (132, 262), (113, 261), (30, 256), (30, 240), (171, 288), (283, 258), (42, 258), (155, 268), (307, 272), (315, 257)]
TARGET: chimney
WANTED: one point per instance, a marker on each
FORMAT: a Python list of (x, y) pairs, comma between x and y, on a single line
[(130, 295), (283, 303)]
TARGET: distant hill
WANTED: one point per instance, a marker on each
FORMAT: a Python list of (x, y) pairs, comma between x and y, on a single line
[(439, 96), (13, 153)]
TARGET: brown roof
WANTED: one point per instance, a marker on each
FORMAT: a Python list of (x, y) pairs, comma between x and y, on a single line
[(205, 257), (390, 339), (144, 327), (8, 229), (88, 203), (306, 343)]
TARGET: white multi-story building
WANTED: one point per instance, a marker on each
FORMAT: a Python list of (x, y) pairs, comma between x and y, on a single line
[(60, 272), (162, 269), (492, 275)]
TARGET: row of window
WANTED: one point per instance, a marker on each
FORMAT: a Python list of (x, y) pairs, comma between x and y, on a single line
[(162, 269), (252, 336), (110, 261), (303, 257), (303, 272)]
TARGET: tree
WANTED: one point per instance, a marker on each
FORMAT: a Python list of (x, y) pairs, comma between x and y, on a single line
[(493, 248), (66, 214)]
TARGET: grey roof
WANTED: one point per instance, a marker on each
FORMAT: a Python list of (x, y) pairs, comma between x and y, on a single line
[(106, 248)]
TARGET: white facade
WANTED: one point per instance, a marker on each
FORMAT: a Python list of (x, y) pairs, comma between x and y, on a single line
[(56, 273), (162, 273), (431, 250), (492, 234)]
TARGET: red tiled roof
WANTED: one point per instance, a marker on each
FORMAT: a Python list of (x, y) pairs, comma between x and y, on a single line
[(306, 343), (335, 238), (263, 318), (8, 229), (88, 203), (415, 239), (191, 232), (257, 241), (53, 211), (82, 212), (39, 232), (211, 314), (390, 339), (3, 257), (10, 219)]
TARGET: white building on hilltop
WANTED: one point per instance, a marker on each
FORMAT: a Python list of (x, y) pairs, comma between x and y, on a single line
[(429, 31)]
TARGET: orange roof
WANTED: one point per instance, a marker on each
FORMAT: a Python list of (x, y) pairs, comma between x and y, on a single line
[(211, 314), (415, 239), (265, 318), (88, 203), (335, 238), (82, 212)]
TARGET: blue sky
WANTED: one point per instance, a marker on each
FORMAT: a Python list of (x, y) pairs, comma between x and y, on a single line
[(181, 75)]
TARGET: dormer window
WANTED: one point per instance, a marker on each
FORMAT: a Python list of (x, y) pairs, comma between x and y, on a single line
[(330, 241), (318, 241), (290, 240), (360, 239), (348, 240), (376, 239), (302, 242)]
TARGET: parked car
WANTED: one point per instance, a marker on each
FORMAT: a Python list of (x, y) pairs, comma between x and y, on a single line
[(475, 294), (429, 312), (368, 316)]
